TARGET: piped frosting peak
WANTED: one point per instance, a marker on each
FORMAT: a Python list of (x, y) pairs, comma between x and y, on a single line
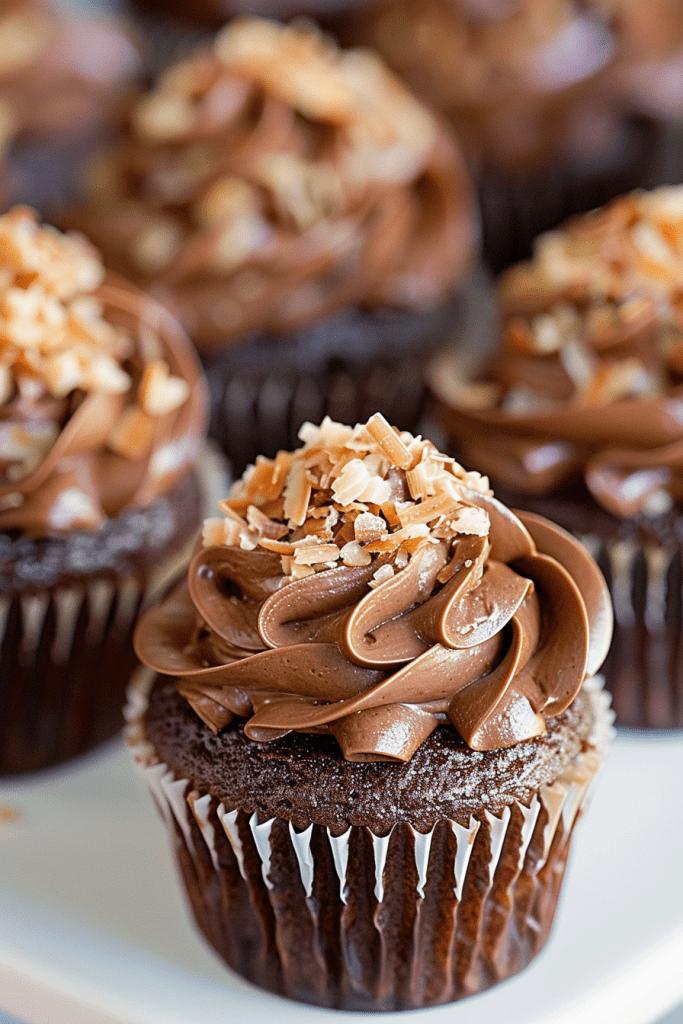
[(369, 587)]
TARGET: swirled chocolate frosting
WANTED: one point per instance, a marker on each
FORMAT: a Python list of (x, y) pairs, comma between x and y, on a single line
[(60, 72), (102, 403), (588, 381), (522, 80), (367, 586), (272, 179)]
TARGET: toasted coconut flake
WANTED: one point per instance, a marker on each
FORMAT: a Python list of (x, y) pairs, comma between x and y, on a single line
[(312, 528), (218, 532), (353, 554), (411, 545), (471, 520), (295, 569), (428, 510), (297, 494), (133, 434), (389, 512), (381, 575), (395, 540), (264, 526), (619, 380), (226, 508), (248, 540), (368, 527), (279, 547), (389, 441), (314, 554), (160, 392)]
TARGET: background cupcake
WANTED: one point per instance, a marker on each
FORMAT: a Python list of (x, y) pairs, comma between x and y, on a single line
[(307, 218), (373, 677), (102, 410), (64, 77), (529, 86), (578, 416)]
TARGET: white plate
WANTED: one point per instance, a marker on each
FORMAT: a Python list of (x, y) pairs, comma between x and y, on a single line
[(93, 929)]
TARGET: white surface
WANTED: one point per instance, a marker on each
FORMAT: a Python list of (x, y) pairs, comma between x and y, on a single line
[(93, 929)]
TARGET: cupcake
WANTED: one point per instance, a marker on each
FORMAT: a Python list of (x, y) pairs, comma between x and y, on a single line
[(102, 409), (63, 79), (309, 221), (527, 85), (372, 731), (579, 416)]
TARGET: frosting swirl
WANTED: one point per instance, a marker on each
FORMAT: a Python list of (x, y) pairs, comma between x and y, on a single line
[(102, 403), (272, 179), (528, 72), (368, 587), (588, 382)]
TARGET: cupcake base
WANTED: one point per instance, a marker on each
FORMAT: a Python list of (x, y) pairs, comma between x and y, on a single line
[(365, 917), (351, 366)]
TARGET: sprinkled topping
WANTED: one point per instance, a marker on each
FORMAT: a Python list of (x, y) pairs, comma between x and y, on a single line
[(55, 341), (601, 284), (349, 496)]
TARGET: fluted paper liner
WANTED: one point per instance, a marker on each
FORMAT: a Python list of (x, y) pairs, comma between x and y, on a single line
[(644, 669), (365, 922), (66, 654)]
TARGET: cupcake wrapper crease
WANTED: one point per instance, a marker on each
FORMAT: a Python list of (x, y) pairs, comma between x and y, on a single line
[(365, 922)]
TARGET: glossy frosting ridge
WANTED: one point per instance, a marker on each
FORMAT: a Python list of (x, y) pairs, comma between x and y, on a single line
[(272, 179), (588, 381), (368, 587), (102, 403)]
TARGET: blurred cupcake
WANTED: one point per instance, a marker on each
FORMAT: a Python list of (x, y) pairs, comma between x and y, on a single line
[(579, 416), (526, 85), (102, 410), (63, 80), (308, 220), (373, 677)]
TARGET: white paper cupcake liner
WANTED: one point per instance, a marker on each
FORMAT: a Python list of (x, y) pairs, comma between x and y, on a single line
[(361, 921)]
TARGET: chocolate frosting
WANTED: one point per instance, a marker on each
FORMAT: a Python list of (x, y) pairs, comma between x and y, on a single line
[(272, 179), (61, 468), (588, 382), (492, 633)]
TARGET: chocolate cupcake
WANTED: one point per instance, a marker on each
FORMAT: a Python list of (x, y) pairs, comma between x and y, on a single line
[(102, 410), (369, 736), (308, 219), (579, 417), (530, 88), (64, 78)]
